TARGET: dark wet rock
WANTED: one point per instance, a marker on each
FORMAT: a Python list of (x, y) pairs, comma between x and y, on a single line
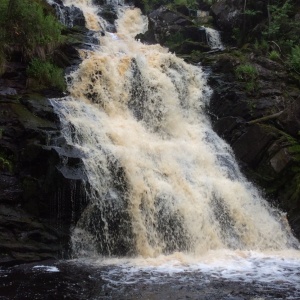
[(261, 125), (290, 119), (66, 56), (69, 15), (7, 91), (227, 14), (41, 187), (249, 146), (10, 189), (175, 31), (110, 14), (39, 106), (280, 160)]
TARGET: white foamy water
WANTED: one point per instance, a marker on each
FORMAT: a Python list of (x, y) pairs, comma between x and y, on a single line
[(276, 273), (214, 38), (46, 268), (164, 189)]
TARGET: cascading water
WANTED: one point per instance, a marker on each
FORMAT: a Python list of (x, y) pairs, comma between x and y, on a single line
[(160, 181), (214, 39)]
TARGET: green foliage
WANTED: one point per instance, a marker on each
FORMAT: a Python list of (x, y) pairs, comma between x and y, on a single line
[(246, 72), (6, 164), (294, 59), (175, 40), (210, 2), (274, 55), (31, 27), (279, 19), (251, 12), (187, 3), (236, 34), (149, 5), (46, 73)]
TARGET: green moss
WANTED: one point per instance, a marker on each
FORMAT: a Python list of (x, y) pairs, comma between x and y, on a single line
[(6, 162), (28, 119)]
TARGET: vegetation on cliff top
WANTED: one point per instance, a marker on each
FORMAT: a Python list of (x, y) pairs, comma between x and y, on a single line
[(274, 28), (30, 33)]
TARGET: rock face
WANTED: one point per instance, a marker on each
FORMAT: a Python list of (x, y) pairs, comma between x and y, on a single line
[(238, 15), (40, 178), (176, 31), (256, 123), (42, 182), (227, 14), (69, 16)]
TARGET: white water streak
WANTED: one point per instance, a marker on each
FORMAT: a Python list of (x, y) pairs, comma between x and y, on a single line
[(214, 38)]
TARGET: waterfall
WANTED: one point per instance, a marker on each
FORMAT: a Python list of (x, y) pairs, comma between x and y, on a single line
[(159, 179), (214, 38)]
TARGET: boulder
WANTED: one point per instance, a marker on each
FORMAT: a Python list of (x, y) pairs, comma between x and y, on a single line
[(227, 14), (175, 31)]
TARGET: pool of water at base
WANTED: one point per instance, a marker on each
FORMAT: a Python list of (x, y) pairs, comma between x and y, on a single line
[(249, 278)]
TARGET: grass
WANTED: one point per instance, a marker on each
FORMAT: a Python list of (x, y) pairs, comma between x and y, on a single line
[(246, 72), (274, 55)]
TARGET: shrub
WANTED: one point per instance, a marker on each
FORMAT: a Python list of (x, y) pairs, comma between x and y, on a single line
[(31, 27), (279, 19), (274, 55), (294, 59), (46, 73), (246, 72)]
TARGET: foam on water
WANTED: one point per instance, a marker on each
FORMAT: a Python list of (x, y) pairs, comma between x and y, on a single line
[(46, 268), (280, 269)]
